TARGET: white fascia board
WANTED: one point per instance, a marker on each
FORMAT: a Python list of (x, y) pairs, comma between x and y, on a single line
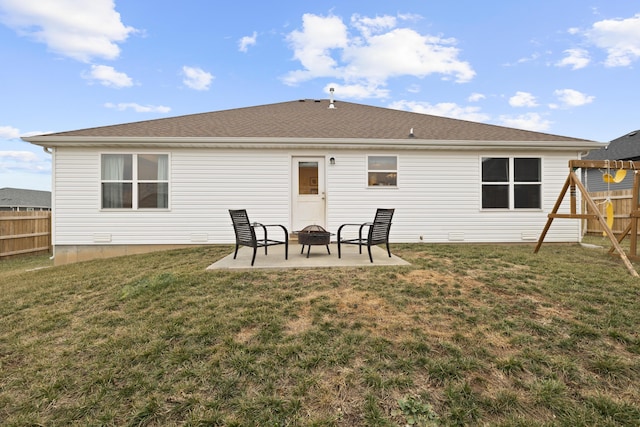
[(306, 143)]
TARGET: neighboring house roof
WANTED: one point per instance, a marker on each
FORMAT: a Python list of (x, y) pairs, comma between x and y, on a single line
[(306, 121), (626, 147), (17, 197)]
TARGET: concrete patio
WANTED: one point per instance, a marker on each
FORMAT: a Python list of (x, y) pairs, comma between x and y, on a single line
[(318, 258)]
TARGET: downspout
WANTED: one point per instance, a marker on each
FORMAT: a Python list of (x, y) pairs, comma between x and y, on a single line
[(50, 151)]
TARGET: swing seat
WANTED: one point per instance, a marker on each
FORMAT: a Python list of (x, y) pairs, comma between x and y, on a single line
[(610, 179), (609, 211)]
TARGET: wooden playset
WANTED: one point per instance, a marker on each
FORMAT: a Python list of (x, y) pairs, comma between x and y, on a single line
[(573, 182)]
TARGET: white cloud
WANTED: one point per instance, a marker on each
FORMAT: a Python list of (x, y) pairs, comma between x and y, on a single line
[(138, 108), (108, 76), (533, 57), (620, 38), (444, 109), (312, 46), (21, 156), (81, 30), (475, 97), (196, 78), (368, 26), (20, 161), (381, 51), (523, 99), (528, 121), (572, 98), (247, 41), (576, 59), (9, 132)]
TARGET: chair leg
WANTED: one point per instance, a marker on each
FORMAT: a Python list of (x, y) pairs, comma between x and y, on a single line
[(302, 250), (236, 252), (286, 250), (388, 250), (328, 250), (255, 249), (339, 253), (369, 249)]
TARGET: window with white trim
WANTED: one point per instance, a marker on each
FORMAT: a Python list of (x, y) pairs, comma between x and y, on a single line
[(511, 183), (134, 181), (382, 171)]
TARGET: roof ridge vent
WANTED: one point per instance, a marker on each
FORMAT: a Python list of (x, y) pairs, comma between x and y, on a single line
[(331, 104)]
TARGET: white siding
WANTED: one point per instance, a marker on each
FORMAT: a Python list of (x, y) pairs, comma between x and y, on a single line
[(437, 197), (203, 186)]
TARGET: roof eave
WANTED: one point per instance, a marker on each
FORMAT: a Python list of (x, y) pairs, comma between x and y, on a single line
[(51, 141)]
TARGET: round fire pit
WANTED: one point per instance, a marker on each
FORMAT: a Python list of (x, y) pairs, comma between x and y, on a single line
[(313, 235)]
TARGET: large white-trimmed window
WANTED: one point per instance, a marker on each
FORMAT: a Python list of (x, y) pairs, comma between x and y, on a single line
[(135, 181), (382, 171), (511, 183)]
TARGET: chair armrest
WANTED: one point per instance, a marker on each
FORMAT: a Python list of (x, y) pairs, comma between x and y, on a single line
[(361, 225), (284, 229), (266, 226)]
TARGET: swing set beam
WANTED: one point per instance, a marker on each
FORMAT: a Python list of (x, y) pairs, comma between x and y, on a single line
[(573, 182)]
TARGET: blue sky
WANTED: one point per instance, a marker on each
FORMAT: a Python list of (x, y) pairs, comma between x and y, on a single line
[(567, 67)]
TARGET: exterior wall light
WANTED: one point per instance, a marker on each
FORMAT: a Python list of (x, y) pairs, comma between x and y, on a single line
[(332, 161)]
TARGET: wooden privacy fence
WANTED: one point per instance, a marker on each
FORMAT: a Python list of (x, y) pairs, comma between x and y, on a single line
[(24, 232), (621, 200)]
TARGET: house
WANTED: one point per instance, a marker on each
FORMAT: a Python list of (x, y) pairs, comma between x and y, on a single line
[(18, 199), (170, 182), (626, 147)]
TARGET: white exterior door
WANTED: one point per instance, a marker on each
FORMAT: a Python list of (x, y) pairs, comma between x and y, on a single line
[(308, 192)]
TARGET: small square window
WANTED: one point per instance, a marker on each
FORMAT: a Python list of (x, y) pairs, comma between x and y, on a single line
[(382, 171)]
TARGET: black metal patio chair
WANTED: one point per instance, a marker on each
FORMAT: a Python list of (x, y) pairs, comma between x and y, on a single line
[(377, 234), (246, 234)]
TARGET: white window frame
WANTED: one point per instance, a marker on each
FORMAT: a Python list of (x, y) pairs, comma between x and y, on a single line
[(135, 181), (368, 171), (511, 183)]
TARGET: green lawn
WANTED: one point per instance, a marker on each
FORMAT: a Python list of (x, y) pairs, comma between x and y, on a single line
[(466, 335)]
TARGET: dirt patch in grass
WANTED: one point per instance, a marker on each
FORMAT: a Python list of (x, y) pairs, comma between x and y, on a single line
[(370, 311)]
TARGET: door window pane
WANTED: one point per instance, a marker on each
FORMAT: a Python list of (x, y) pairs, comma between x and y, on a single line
[(308, 178)]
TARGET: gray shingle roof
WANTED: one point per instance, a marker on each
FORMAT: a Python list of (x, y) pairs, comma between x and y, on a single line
[(626, 147), (17, 197), (314, 119)]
